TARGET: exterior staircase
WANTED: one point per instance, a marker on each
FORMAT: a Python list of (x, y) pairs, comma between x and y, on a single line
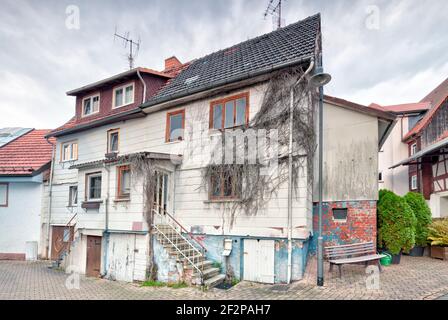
[(186, 249)]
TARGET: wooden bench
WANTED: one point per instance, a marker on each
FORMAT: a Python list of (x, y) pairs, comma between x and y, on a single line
[(352, 254)]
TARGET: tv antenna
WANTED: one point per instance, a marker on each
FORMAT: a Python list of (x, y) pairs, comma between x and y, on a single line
[(274, 9), (127, 41)]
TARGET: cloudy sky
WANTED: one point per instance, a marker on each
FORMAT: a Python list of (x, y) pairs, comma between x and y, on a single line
[(386, 51)]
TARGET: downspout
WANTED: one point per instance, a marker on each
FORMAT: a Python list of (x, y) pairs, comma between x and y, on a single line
[(106, 221), (291, 121), (50, 188), (144, 85)]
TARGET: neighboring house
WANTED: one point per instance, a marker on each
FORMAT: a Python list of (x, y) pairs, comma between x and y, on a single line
[(25, 157), (427, 145), (394, 149), (100, 203)]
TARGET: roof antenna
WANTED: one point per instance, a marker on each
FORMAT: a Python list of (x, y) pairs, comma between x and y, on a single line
[(274, 9), (128, 41)]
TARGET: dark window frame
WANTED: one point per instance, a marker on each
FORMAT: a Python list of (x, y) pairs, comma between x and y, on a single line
[(223, 102), (235, 192), (120, 193), (7, 194), (87, 184), (109, 140), (70, 196), (168, 125)]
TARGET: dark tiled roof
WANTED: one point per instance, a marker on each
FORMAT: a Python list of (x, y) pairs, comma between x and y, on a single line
[(290, 44)]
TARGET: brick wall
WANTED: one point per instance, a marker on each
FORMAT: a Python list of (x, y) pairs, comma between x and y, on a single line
[(360, 225)]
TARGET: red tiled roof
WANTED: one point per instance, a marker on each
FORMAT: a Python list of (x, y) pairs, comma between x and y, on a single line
[(403, 108), (26, 154), (435, 98)]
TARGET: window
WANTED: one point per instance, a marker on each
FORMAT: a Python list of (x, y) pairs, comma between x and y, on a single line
[(66, 235), (73, 196), (225, 184), (413, 149), (69, 151), (124, 182), (112, 140), (414, 182), (91, 105), (175, 125), (230, 112), (123, 95), (4, 189), (380, 176), (93, 186), (340, 214)]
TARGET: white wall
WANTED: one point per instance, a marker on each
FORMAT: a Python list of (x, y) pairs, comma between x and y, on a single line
[(350, 145), (394, 151), (190, 202), (20, 221)]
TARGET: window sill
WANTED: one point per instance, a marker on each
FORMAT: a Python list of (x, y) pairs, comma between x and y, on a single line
[(122, 199), (91, 204), (222, 200), (175, 141), (123, 105)]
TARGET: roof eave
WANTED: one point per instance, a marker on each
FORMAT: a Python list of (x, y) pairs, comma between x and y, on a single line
[(131, 114)]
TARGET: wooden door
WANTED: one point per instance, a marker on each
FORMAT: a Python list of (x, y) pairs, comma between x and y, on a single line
[(93, 264), (60, 240), (259, 260)]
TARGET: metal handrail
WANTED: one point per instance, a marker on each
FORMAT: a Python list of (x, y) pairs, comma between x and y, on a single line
[(181, 252), (70, 241), (178, 224), (179, 233)]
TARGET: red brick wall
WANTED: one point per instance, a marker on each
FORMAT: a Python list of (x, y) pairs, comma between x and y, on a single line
[(360, 225)]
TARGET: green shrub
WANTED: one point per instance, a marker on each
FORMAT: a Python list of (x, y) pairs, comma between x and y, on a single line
[(438, 233), (396, 223), (422, 214)]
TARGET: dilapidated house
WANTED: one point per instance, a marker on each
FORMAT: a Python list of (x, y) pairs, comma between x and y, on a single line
[(148, 181)]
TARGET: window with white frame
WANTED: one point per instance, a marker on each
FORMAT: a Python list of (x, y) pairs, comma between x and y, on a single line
[(91, 105), (414, 182), (69, 151), (4, 194), (123, 95), (413, 149), (73, 196), (112, 140), (93, 186)]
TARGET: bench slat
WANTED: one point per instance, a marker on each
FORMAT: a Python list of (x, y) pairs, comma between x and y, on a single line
[(358, 259), (349, 250), (350, 245), (363, 252)]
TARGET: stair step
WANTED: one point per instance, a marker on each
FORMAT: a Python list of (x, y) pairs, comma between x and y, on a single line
[(209, 283), (209, 272), (206, 263)]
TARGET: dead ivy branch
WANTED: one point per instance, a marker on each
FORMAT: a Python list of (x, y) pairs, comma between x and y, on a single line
[(247, 181)]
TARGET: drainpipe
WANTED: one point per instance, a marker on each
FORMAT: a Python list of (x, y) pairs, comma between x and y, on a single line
[(291, 121), (106, 221), (50, 188), (144, 85)]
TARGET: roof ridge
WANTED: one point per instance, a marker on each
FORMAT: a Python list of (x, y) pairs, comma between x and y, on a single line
[(257, 37)]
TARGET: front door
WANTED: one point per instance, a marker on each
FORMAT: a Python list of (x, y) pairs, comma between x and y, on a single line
[(93, 264), (60, 240), (161, 191)]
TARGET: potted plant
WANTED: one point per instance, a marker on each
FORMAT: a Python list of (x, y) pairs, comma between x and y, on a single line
[(423, 219), (438, 235), (396, 224)]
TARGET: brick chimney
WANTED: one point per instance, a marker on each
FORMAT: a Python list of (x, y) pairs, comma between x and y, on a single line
[(172, 63)]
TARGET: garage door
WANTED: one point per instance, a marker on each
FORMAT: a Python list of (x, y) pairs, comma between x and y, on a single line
[(259, 260)]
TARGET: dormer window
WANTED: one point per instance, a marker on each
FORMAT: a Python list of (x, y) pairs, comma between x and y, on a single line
[(123, 96), (91, 105)]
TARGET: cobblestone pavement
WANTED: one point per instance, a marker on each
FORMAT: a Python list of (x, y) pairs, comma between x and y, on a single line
[(414, 278)]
